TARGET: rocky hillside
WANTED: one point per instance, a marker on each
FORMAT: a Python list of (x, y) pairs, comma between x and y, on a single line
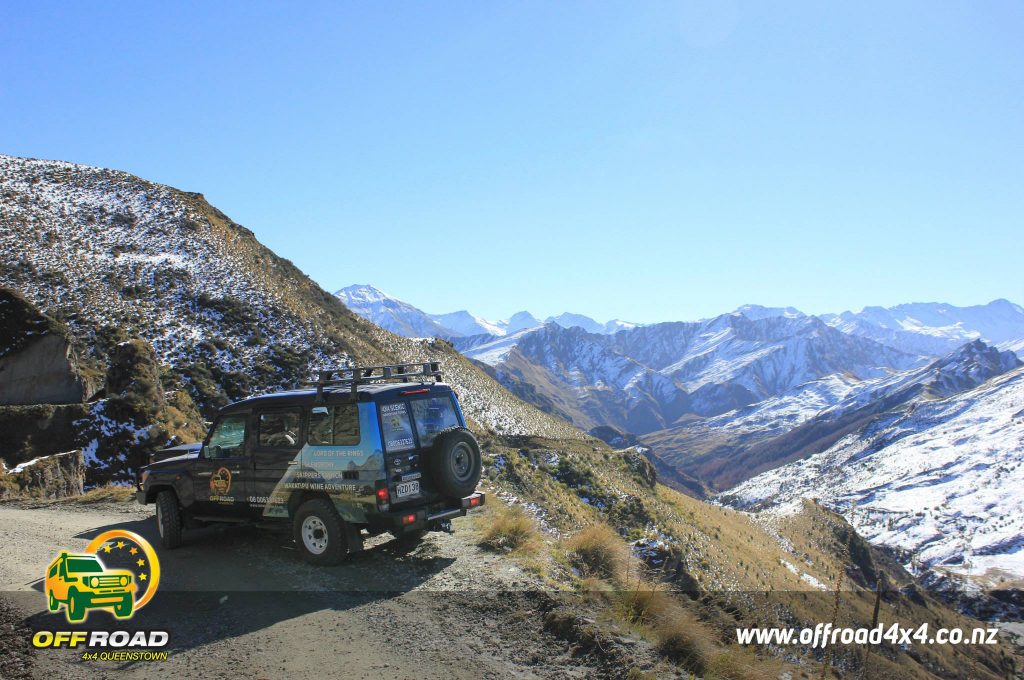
[(935, 477), (115, 257), (739, 444)]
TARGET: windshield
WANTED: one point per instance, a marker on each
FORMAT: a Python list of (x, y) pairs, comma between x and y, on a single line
[(432, 415), (84, 565)]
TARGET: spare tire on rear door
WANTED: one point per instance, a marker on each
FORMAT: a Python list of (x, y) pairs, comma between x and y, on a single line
[(455, 462)]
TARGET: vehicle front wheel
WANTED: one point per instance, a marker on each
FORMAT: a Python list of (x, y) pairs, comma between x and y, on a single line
[(320, 533), (76, 609), (123, 609), (168, 519), (51, 602)]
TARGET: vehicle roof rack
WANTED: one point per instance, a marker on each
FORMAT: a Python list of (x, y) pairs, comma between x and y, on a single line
[(354, 376)]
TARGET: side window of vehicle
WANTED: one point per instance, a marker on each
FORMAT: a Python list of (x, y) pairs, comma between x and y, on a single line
[(279, 429), (334, 425), (53, 571), (397, 428), (228, 437)]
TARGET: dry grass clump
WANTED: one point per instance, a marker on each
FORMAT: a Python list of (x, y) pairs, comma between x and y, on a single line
[(108, 493), (599, 552), (511, 530)]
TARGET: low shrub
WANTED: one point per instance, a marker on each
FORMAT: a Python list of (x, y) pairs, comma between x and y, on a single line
[(598, 551), (511, 530)]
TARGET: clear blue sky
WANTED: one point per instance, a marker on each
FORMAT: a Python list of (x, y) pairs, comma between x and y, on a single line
[(647, 161)]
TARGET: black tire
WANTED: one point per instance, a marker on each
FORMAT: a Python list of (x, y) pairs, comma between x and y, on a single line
[(76, 610), (455, 462), (320, 534), (168, 519)]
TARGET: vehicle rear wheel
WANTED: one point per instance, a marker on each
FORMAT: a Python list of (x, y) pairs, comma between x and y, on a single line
[(124, 609), (455, 462), (168, 519), (76, 609), (320, 533)]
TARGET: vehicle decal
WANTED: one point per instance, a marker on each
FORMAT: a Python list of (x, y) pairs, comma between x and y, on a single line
[(220, 482)]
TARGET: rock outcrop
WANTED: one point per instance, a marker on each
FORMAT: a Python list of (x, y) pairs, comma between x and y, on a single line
[(38, 362), (57, 476)]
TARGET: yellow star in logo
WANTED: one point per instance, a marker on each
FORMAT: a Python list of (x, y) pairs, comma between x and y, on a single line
[(133, 550), (141, 562), (142, 577), (120, 544), (106, 548)]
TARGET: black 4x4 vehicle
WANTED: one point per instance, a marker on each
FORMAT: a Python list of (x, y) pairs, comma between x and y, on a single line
[(372, 449)]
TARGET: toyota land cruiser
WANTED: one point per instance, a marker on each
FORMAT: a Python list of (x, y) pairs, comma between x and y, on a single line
[(363, 450)]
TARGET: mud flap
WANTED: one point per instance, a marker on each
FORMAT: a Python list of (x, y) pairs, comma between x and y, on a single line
[(354, 538)]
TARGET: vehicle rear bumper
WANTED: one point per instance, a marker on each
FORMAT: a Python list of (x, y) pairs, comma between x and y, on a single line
[(398, 521)]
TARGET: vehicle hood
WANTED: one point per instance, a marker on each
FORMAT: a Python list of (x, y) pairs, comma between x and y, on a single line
[(176, 454)]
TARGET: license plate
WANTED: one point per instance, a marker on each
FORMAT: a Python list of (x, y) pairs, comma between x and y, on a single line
[(407, 489)]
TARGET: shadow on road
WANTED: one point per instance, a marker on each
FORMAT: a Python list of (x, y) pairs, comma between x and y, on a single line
[(226, 582)]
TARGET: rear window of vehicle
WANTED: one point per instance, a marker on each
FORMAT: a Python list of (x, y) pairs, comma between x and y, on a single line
[(432, 415), (334, 425), (396, 427)]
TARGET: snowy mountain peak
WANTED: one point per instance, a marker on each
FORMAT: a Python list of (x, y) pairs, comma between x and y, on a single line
[(968, 367), (570, 320), (760, 312), (521, 321), (362, 294)]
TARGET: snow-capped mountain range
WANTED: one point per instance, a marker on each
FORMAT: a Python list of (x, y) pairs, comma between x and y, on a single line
[(400, 317), (914, 412)]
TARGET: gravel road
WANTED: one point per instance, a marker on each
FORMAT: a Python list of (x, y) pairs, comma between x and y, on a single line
[(238, 602)]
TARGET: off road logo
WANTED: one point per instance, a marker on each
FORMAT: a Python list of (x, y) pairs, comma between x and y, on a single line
[(220, 481), (118, 571)]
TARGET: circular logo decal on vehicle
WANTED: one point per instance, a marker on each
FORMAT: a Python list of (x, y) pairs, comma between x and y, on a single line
[(220, 482)]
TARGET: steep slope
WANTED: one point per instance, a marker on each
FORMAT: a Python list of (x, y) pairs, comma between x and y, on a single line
[(114, 256), (939, 479), (936, 328)]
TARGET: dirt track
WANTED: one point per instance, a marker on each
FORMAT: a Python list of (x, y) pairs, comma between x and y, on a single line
[(238, 602)]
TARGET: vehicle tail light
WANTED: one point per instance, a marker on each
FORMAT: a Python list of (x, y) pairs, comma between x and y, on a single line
[(474, 501), (409, 519), (383, 497)]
